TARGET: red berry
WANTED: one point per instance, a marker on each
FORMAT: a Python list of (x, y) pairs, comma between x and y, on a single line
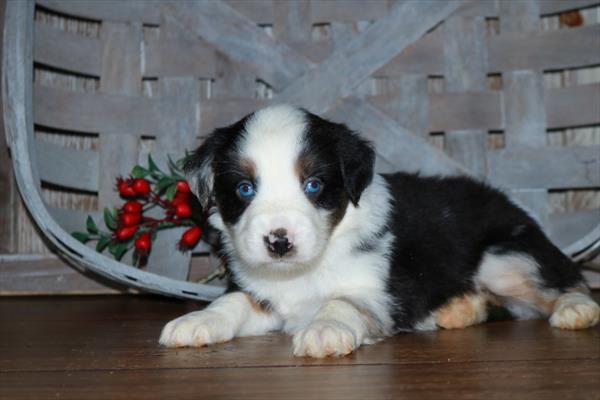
[(183, 210), (130, 219), (183, 187), (132, 206), (143, 243), (125, 189), (126, 232), (181, 198), (190, 237), (141, 186)]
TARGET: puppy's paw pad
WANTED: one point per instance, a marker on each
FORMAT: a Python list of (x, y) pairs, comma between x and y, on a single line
[(576, 315), (324, 338), (196, 330)]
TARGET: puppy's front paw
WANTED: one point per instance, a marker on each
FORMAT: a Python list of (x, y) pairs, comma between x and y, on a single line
[(325, 338), (197, 329)]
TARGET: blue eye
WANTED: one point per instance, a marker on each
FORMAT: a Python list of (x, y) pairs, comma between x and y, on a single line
[(246, 190), (312, 186)]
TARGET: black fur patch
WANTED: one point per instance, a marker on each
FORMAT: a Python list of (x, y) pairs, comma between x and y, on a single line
[(340, 159), (443, 227)]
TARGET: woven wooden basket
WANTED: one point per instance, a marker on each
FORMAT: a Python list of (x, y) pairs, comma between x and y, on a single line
[(493, 89)]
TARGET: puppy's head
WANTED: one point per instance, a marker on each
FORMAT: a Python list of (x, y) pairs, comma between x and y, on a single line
[(278, 182)]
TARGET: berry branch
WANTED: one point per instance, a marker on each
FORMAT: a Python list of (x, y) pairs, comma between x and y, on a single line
[(128, 226)]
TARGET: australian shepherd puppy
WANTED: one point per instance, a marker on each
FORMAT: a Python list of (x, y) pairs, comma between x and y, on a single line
[(322, 248)]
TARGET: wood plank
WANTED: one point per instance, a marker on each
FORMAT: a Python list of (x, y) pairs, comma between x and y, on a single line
[(410, 105), (565, 48), (561, 49), (178, 57), (48, 275), (142, 11), (465, 65), (409, 152), (569, 227), (573, 379), (8, 194), (67, 51), (121, 74), (98, 112), (345, 69), (573, 106), (216, 113), (292, 20), (67, 167), (565, 107), (123, 331), (222, 27), (557, 6), (261, 11), (523, 105), (545, 168)]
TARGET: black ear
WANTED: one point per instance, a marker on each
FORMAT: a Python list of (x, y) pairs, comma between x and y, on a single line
[(199, 171), (357, 160)]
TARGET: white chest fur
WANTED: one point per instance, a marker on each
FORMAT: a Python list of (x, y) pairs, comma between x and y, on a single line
[(343, 271)]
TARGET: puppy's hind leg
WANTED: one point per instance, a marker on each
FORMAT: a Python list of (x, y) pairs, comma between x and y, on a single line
[(234, 314), (533, 279)]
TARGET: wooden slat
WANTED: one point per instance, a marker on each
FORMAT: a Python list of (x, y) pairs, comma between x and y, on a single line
[(67, 51), (9, 192), (97, 112), (46, 275), (557, 6), (261, 11), (74, 220), (345, 69), (222, 26), (347, 10), (142, 11), (215, 113), (523, 105), (567, 228), (565, 107), (565, 48), (292, 20), (178, 57), (68, 167), (545, 168), (465, 60), (409, 152), (573, 106), (121, 74)]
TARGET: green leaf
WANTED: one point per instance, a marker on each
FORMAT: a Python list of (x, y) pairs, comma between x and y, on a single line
[(81, 236), (163, 183), (102, 243), (91, 225), (110, 218), (139, 172), (154, 170), (171, 192), (118, 249)]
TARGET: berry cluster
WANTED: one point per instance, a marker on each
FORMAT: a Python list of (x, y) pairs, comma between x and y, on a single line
[(131, 226)]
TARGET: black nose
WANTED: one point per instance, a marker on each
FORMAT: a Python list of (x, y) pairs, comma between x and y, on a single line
[(277, 242)]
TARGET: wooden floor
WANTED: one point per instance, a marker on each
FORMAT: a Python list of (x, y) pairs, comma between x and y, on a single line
[(105, 348)]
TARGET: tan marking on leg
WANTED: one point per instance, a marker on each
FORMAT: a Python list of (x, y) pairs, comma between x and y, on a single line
[(256, 306), (575, 310), (462, 311)]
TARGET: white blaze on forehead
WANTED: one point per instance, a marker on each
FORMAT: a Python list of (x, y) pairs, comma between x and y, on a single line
[(273, 142)]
